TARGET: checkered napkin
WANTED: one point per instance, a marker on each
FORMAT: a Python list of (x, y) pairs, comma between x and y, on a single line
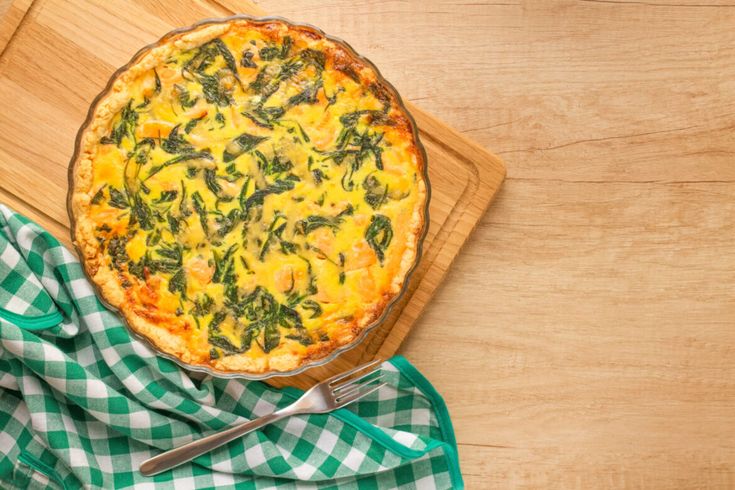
[(82, 403)]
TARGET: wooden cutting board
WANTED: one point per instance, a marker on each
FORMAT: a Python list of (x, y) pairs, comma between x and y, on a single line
[(58, 54)]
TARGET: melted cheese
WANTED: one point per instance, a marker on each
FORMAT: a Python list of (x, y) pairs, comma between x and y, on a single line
[(245, 199)]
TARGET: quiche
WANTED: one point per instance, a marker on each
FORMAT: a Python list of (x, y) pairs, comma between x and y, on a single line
[(249, 194)]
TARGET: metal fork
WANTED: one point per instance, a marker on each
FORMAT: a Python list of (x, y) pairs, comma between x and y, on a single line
[(331, 394)]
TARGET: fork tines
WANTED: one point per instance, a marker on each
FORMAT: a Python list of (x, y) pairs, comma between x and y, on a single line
[(356, 383)]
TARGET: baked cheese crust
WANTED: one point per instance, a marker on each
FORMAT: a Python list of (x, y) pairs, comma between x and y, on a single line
[(249, 195)]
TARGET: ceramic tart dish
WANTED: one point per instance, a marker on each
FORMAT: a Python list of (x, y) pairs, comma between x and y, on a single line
[(250, 194)]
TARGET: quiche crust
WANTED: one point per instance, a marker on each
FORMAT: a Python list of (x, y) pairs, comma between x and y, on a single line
[(143, 300)]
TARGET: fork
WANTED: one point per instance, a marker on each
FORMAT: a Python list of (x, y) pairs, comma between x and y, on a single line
[(331, 394)]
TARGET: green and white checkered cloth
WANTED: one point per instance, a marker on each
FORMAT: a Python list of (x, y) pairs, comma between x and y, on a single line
[(82, 403)]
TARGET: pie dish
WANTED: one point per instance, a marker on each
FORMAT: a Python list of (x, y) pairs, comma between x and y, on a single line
[(250, 194)]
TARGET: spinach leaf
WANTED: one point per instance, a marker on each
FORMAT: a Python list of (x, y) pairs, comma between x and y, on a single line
[(224, 344), (185, 157), (227, 222), (243, 195), (308, 95), (210, 178), (118, 199), (314, 222), (217, 320), (375, 192), (272, 166), (173, 223), (312, 306), (312, 287), (271, 337), (183, 207), (265, 117), (142, 150), (141, 213), (247, 60), (177, 283), (379, 234), (116, 249), (351, 119), (161, 265), (266, 315), (286, 46), (220, 118), (158, 82), (176, 143), (153, 238), (185, 100), (247, 337), (125, 126), (318, 176), (275, 230), (278, 187), (289, 247), (301, 336), (215, 337), (243, 143), (267, 82), (227, 55), (138, 269), (355, 147), (224, 266), (205, 56), (269, 52), (166, 196), (192, 124), (173, 252), (99, 195), (202, 305), (314, 57), (170, 262), (215, 90), (201, 210)]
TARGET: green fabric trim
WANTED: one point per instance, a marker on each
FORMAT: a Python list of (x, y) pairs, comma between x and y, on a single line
[(141, 403), (445, 423), (40, 322), (41, 467), (442, 413)]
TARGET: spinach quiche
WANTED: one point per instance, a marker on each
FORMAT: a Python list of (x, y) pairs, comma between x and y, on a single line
[(249, 194)]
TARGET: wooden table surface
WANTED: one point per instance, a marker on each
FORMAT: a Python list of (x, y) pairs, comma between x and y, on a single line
[(585, 337)]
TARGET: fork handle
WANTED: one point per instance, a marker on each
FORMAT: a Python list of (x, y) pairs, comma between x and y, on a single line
[(182, 454)]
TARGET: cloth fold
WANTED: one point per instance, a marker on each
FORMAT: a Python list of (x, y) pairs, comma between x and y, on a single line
[(83, 403)]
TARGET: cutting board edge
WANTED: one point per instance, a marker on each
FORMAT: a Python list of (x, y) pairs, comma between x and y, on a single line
[(463, 206)]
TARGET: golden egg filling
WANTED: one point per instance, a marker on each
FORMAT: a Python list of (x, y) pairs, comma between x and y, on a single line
[(249, 195)]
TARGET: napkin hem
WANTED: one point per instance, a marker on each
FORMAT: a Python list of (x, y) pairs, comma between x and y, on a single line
[(449, 444), (41, 467), (39, 322), (442, 414)]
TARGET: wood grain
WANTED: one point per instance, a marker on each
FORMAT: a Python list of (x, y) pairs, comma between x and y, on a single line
[(591, 316), (585, 336), (465, 177), (12, 13)]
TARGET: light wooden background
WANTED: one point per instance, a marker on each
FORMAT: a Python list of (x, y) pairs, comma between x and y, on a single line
[(585, 337)]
